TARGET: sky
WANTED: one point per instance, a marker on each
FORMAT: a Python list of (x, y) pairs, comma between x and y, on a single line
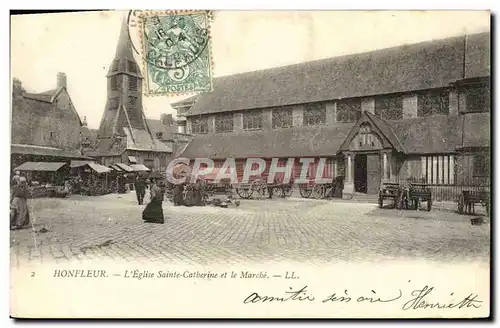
[(82, 45)]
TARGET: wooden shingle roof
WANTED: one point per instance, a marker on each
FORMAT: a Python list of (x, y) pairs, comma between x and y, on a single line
[(420, 66)]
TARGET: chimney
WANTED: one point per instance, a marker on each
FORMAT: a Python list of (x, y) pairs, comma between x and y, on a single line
[(84, 121), (61, 80)]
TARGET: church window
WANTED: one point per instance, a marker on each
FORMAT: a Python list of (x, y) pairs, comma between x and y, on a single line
[(252, 120), (432, 103), (132, 83), (199, 124), (389, 107), (282, 118), (224, 123), (348, 110), (314, 114), (132, 102), (478, 99)]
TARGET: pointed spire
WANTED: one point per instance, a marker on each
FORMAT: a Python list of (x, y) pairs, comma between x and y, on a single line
[(124, 47), (124, 54)]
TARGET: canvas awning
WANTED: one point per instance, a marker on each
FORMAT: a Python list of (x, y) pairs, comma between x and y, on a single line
[(40, 166), (98, 168), (139, 167), (132, 159), (124, 167), (116, 168), (80, 163)]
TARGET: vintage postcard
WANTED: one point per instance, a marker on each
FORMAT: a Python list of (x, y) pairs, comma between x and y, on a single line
[(250, 164)]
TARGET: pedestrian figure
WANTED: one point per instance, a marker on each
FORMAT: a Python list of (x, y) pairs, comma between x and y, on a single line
[(153, 213), (140, 189), (179, 194), (19, 213), (15, 178)]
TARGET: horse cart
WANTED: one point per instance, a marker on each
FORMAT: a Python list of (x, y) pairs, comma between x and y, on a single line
[(418, 193), (260, 188), (392, 191), (469, 198), (323, 190)]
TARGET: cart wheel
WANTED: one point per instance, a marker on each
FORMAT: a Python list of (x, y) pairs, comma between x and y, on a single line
[(260, 187), (429, 205), (398, 201), (288, 191), (305, 192), (461, 203), (244, 192), (380, 200), (318, 191), (278, 192)]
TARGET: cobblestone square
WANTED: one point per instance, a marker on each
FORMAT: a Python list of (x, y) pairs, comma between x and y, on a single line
[(258, 231)]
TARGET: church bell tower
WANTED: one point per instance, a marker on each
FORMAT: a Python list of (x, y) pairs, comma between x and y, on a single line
[(124, 92)]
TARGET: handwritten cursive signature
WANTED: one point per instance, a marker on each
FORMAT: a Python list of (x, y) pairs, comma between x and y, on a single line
[(419, 299), (290, 295), (419, 302)]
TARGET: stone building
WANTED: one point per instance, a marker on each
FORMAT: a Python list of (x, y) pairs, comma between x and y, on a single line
[(170, 132), (124, 135), (419, 112), (45, 126)]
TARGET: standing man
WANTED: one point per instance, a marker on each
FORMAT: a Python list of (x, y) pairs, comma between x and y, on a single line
[(140, 189)]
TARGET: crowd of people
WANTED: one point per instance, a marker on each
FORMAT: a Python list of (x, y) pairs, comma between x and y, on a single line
[(183, 194)]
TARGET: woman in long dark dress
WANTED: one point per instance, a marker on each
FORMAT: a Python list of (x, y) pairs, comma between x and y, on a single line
[(19, 213), (153, 212)]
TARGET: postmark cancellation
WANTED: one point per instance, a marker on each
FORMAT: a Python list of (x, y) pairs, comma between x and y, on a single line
[(176, 48)]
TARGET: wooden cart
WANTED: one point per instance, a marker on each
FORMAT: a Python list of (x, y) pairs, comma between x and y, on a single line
[(390, 191), (259, 188), (417, 193), (469, 198)]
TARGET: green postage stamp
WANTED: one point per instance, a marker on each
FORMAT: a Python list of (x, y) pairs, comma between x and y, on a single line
[(177, 52)]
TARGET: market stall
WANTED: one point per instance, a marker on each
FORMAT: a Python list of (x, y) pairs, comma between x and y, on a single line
[(46, 179)]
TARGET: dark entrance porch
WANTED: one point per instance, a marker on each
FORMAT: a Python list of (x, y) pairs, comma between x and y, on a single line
[(360, 173), (367, 173)]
